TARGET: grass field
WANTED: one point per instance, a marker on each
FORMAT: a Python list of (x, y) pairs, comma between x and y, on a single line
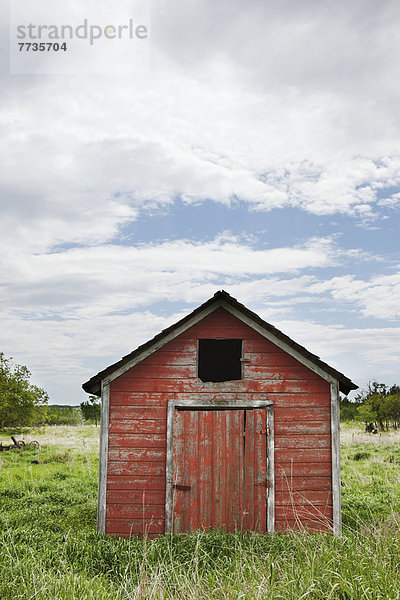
[(49, 548)]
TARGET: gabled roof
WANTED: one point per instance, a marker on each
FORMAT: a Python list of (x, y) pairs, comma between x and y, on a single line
[(220, 299)]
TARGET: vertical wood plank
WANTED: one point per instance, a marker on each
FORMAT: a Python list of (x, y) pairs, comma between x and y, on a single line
[(242, 469), (191, 469), (169, 474), (219, 470), (234, 482), (249, 481), (205, 467), (270, 471), (260, 475), (178, 461)]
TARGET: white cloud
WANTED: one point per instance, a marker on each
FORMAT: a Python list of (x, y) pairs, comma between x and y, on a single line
[(112, 277), (272, 105), (391, 201), (289, 43), (377, 297), (373, 344), (361, 354)]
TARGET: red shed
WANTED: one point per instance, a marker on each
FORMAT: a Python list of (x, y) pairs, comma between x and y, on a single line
[(222, 421)]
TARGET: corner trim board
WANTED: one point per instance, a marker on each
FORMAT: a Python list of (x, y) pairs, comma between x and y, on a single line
[(169, 467), (102, 484), (270, 472), (335, 441)]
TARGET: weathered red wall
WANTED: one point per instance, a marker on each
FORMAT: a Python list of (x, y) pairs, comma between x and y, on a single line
[(138, 419)]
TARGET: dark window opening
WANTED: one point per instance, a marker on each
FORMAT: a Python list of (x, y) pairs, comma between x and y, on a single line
[(219, 360)]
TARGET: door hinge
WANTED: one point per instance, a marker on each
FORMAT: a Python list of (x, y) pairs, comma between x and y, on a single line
[(178, 486)]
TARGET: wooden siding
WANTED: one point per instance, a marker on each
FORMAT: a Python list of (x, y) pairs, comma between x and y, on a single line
[(138, 427)]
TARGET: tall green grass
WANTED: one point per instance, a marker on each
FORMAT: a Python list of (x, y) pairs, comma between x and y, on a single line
[(370, 484), (49, 548)]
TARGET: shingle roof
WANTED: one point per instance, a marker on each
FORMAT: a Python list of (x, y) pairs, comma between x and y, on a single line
[(93, 386)]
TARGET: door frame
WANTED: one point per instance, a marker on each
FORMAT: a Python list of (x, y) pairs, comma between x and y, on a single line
[(210, 403)]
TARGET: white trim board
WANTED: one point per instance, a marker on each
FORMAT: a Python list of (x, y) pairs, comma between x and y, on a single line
[(103, 460), (335, 445)]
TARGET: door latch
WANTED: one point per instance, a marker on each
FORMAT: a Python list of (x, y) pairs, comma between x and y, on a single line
[(267, 431), (266, 483)]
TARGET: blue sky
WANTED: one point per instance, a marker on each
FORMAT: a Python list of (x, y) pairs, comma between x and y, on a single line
[(260, 155)]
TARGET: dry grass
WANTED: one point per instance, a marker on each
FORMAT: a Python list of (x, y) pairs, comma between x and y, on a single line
[(81, 437), (355, 435)]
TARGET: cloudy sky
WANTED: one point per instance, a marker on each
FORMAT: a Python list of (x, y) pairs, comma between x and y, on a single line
[(260, 155)]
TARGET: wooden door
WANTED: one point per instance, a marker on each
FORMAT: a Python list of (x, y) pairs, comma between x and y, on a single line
[(219, 470)]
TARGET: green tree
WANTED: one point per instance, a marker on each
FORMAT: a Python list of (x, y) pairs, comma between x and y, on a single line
[(366, 414), (394, 389), (63, 415), (348, 409), (22, 404), (375, 404), (379, 404), (391, 410), (91, 409)]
